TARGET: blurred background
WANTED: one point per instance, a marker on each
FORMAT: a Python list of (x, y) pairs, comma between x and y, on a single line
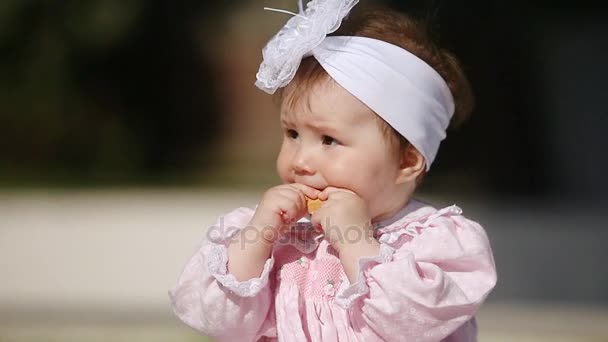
[(127, 127)]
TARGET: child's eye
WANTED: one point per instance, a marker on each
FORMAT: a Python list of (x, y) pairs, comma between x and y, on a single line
[(327, 140), (291, 133)]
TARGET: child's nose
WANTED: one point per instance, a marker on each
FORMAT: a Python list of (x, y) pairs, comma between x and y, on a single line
[(301, 162)]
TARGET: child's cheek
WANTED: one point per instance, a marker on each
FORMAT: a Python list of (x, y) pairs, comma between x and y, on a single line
[(283, 164), (343, 175)]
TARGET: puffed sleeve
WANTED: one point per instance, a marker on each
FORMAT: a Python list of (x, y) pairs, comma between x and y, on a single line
[(429, 279), (211, 300)]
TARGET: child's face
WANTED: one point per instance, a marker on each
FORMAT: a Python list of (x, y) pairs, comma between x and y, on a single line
[(338, 142)]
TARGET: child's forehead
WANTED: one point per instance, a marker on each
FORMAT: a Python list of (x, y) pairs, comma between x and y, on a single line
[(301, 96), (324, 101)]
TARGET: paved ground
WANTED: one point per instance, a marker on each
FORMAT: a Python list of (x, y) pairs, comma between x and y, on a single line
[(95, 266)]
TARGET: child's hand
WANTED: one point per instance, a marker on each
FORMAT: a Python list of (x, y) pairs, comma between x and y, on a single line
[(281, 206), (344, 217)]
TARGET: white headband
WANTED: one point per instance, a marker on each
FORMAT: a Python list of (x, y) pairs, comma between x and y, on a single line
[(398, 86)]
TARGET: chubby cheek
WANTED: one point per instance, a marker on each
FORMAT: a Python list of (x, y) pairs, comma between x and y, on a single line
[(357, 177), (372, 180), (283, 165)]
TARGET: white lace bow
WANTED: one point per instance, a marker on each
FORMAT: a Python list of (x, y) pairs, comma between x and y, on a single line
[(302, 33)]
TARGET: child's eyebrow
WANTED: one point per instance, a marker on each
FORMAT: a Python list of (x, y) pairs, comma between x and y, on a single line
[(323, 127), (286, 122)]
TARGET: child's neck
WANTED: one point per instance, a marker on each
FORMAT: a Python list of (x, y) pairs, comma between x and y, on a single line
[(395, 214)]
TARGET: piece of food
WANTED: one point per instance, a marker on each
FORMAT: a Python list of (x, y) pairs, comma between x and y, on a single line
[(313, 205)]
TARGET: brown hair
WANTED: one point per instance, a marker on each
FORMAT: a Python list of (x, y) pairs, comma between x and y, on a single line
[(401, 30)]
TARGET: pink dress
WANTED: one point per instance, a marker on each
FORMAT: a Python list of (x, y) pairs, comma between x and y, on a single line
[(434, 270)]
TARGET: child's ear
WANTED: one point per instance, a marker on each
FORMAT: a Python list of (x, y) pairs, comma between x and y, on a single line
[(411, 165)]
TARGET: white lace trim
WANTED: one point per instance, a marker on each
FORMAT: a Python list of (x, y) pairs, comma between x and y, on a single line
[(217, 261), (413, 228), (349, 293)]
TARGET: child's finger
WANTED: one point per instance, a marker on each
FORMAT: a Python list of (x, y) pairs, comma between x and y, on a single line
[(308, 191), (291, 206), (317, 219), (298, 199), (324, 195), (330, 190)]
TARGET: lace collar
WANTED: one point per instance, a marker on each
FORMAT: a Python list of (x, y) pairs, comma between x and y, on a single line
[(412, 206)]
